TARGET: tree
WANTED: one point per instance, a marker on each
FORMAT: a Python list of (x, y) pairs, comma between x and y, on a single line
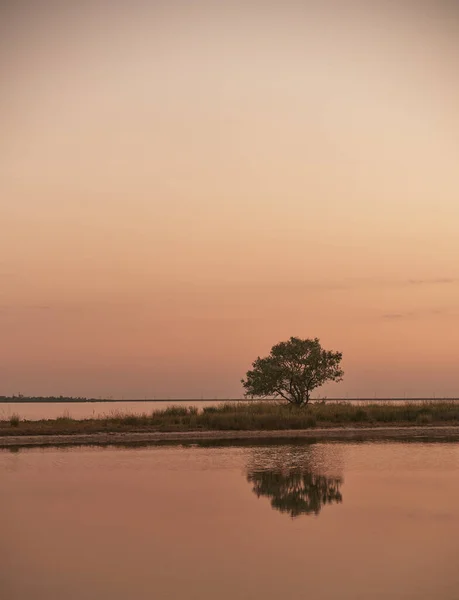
[(292, 370)]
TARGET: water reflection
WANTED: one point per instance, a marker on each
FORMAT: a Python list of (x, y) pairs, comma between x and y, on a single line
[(297, 482), (296, 493)]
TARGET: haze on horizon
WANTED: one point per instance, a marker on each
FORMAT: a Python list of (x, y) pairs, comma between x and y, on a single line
[(183, 185)]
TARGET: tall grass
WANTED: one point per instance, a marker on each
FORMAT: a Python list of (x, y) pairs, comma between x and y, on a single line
[(64, 418), (253, 416), (15, 420)]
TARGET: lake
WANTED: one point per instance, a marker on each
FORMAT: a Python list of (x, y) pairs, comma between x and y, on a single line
[(327, 521), (34, 411)]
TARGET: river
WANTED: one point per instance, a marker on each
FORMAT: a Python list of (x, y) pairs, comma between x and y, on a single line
[(351, 521)]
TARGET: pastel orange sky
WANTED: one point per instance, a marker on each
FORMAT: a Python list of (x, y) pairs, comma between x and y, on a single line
[(183, 185)]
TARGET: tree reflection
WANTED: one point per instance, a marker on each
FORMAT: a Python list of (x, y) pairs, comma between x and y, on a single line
[(295, 489)]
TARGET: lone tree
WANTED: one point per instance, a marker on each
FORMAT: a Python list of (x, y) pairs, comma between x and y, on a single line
[(292, 370)]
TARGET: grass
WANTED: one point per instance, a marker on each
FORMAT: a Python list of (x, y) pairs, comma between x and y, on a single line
[(262, 416), (14, 420)]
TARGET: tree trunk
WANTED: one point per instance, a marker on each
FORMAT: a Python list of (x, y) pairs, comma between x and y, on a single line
[(295, 399)]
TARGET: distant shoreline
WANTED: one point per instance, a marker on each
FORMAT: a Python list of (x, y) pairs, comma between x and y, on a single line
[(356, 434), (44, 400)]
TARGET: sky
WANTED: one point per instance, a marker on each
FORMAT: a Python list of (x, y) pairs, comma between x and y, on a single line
[(184, 184)]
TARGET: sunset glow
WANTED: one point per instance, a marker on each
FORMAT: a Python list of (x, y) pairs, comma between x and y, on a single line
[(182, 185)]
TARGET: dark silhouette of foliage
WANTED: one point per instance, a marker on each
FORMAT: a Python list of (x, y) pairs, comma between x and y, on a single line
[(292, 370), (296, 492), (25, 399)]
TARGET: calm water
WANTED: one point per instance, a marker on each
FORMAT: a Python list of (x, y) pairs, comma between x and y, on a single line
[(86, 410), (35, 411), (326, 521)]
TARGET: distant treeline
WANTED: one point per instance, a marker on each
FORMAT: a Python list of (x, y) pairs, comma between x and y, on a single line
[(21, 398)]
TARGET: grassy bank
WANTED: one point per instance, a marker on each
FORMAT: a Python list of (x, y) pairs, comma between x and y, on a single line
[(246, 417)]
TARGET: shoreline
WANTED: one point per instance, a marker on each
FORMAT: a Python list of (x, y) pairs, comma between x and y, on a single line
[(382, 433), (39, 400)]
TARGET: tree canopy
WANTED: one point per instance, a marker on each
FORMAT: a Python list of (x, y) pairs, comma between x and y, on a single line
[(292, 370)]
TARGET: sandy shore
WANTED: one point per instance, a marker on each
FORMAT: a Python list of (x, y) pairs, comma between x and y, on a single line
[(446, 433)]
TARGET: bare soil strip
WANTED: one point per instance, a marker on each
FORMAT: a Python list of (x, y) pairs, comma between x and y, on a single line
[(447, 433)]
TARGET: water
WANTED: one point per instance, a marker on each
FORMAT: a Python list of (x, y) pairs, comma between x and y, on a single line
[(34, 411), (349, 521)]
